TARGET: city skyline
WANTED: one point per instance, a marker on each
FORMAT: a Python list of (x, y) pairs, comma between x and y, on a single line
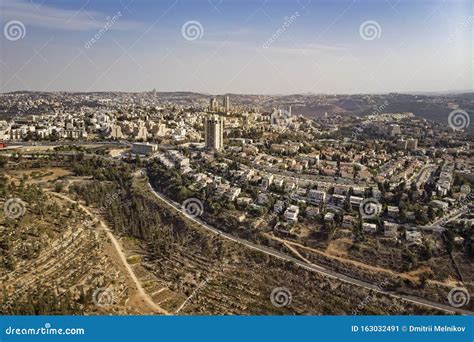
[(245, 47)]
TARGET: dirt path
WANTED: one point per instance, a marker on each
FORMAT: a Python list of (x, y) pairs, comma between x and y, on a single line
[(344, 260), (137, 298)]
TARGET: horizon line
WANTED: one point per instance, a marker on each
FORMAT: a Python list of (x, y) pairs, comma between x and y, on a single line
[(411, 92)]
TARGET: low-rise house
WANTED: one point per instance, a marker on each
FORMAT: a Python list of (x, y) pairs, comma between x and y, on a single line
[(311, 211), (355, 201), (377, 193), (340, 190), (440, 204), (369, 227), (337, 200), (390, 229), (329, 217), (410, 216), (266, 181), (316, 196), (263, 199), (232, 193), (279, 207), (349, 221), (413, 236), (291, 213), (393, 211), (244, 200)]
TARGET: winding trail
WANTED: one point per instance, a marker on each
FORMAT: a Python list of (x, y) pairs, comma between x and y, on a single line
[(118, 248)]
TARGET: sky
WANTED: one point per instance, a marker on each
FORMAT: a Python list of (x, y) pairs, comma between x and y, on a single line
[(237, 46)]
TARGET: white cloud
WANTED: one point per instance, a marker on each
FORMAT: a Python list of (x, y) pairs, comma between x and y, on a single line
[(34, 15)]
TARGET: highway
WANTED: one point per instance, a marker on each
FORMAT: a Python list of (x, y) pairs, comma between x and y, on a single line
[(310, 266)]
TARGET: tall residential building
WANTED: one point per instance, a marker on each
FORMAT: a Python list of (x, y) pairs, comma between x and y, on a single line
[(116, 132), (214, 132), (214, 105), (412, 144), (226, 104)]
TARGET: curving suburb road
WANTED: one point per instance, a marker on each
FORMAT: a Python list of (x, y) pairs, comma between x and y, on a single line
[(310, 266)]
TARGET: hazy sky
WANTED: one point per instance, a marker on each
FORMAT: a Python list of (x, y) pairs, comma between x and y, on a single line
[(239, 46)]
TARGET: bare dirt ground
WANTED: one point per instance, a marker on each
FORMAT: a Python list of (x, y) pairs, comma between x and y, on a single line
[(137, 296)]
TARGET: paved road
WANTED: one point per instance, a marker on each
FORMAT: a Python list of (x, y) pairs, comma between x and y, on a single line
[(450, 216), (60, 143), (312, 267)]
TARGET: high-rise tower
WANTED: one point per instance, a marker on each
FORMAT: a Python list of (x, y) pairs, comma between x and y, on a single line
[(214, 132), (226, 104)]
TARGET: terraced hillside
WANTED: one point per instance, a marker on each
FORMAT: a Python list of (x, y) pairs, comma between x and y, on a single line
[(54, 259), (61, 257)]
